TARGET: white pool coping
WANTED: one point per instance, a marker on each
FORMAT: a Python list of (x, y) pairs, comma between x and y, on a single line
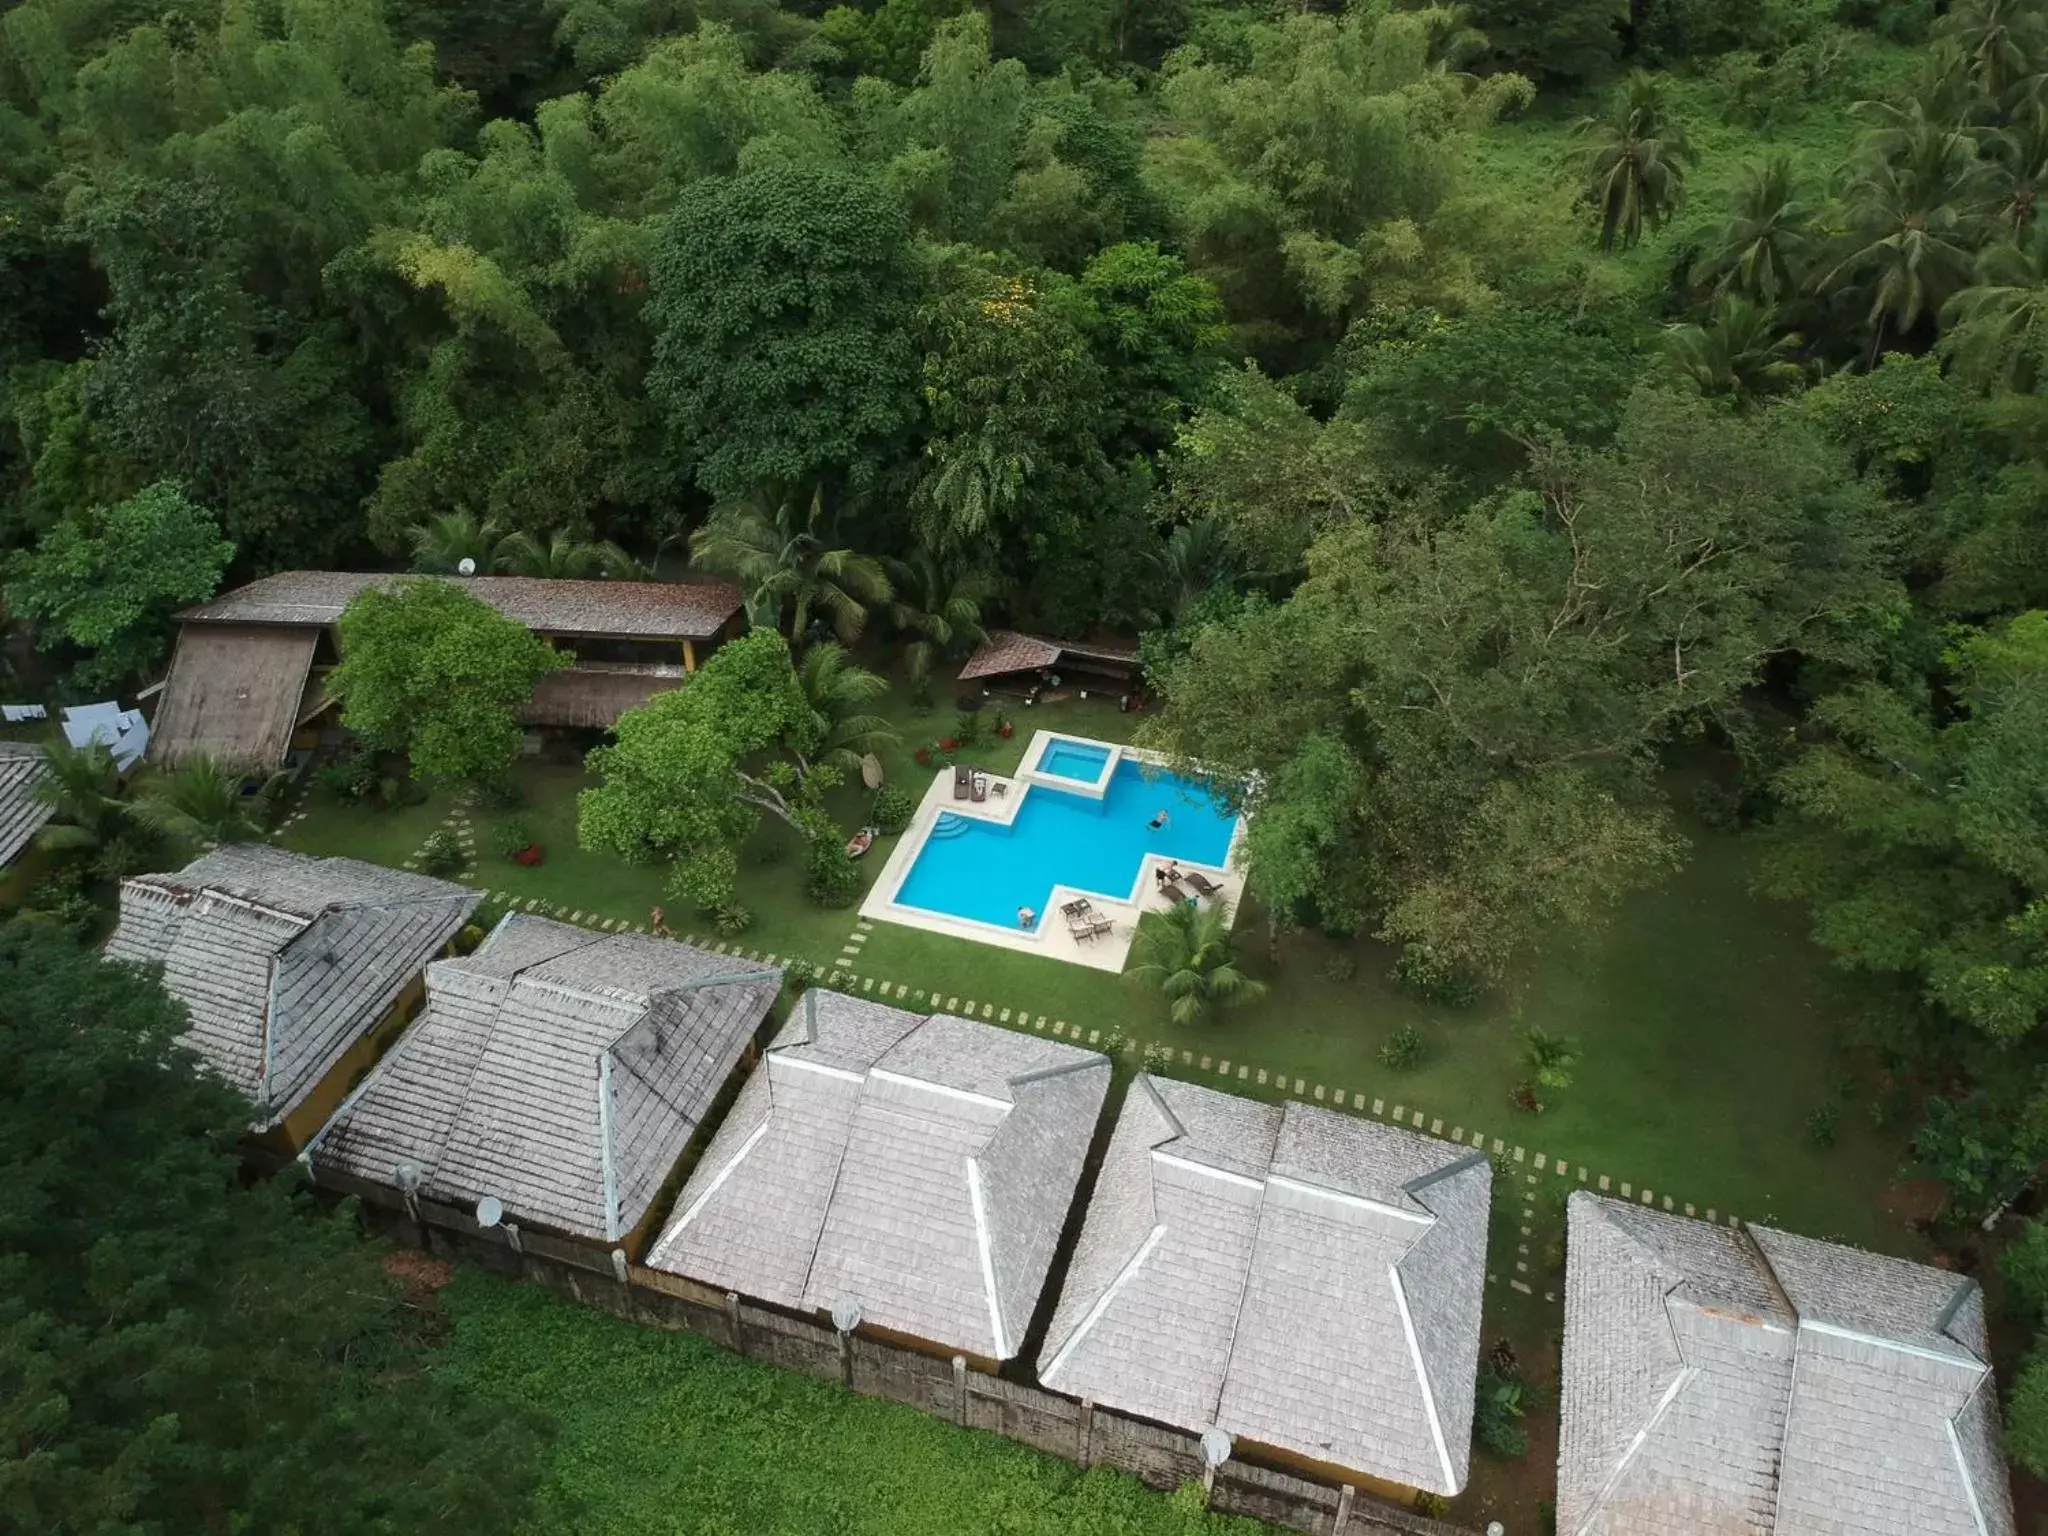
[(1051, 939)]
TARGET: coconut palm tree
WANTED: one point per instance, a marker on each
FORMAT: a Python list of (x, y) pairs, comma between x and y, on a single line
[(1743, 353), (203, 803), (839, 691), (1914, 219), (940, 607), (1635, 171), (780, 553), (441, 544), (1761, 251), (82, 788), (1998, 326), (565, 558), (1996, 43), (2019, 154), (1185, 951)]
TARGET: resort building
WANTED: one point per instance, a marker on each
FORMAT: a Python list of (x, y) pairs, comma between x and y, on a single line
[(23, 812), (295, 971), (1026, 665), (556, 1073), (1746, 1381), (915, 1169), (1306, 1281), (245, 680)]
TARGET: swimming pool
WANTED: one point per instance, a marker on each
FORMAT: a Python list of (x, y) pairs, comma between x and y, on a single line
[(984, 870), (1070, 759)]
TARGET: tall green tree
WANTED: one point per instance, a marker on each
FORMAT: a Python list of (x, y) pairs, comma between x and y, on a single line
[(780, 550), (1997, 328), (1760, 252), (691, 772), (1553, 39), (780, 307), (428, 670), (203, 804), (1742, 353), (839, 691), (187, 1350), (108, 580), (1921, 843), (1454, 720), (1633, 175), (939, 608)]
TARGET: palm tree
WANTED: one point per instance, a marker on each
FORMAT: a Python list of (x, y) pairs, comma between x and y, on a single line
[(441, 544), (1998, 327), (2019, 151), (1761, 251), (1997, 43), (82, 787), (1550, 1058), (941, 608), (1186, 952), (1742, 353), (1914, 219), (1635, 171), (1196, 557), (203, 803), (838, 690), (565, 558), (779, 554)]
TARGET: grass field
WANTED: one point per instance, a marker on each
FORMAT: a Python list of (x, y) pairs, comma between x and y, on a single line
[(664, 1432)]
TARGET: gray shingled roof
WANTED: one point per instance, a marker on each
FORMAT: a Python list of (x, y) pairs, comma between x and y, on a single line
[(22, 811), (1754, 1383), (284, 961), (693, 610), (1301, 1278), (560, 1070), (921, 1166)]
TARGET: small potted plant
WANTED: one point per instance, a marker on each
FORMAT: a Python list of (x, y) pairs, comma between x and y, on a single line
[(1005, 727), (924, 756)]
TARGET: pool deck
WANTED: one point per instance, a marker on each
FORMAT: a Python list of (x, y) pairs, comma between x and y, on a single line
[(1106, 952)]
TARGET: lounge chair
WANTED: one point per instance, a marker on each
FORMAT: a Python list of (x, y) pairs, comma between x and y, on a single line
[(1088, 925), (1203, 885), (1074, 908), (980, 786), (962, 781), (1174, 894)]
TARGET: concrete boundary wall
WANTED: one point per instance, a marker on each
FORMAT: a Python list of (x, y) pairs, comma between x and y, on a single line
[(1059, 1426)]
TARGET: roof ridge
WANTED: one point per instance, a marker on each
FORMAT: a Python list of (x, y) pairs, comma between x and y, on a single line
[(1450, 1170), (1088, 1062)]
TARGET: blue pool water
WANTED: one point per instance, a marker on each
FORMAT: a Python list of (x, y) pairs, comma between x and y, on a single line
[(979, 870), (1081, 760)]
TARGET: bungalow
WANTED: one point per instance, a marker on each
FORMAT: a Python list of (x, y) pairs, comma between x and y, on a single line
[(245, 680), (1009, 662), (1305, 1281), (23, 811), (1746, 1382), (295, 971), (918, 1169), (559, 1072)]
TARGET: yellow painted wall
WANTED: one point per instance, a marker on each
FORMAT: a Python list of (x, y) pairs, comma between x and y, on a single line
[(318, 1107)]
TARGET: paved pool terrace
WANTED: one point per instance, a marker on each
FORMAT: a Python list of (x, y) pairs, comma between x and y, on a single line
[(1075, 821)]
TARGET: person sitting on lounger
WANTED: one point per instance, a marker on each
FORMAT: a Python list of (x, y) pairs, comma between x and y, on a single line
[(1158, 822)]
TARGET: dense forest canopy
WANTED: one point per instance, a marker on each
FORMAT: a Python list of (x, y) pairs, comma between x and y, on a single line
[(1474, 407)]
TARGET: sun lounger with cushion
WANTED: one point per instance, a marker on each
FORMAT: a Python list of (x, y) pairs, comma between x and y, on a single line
[(1173, 893), (962, 781), (980, 783), (1203, 885)]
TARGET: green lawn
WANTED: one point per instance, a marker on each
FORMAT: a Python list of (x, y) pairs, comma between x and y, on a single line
[(664, 1432)]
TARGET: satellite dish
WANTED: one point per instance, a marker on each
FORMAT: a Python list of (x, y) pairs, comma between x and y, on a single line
[(846, 1314), (1215, 1447), (1495, 1528), (409, 1176), (465, 566), (489, 1211)]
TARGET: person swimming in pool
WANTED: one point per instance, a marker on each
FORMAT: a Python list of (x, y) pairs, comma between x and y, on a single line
[(1026, 917), (1158, 821)]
